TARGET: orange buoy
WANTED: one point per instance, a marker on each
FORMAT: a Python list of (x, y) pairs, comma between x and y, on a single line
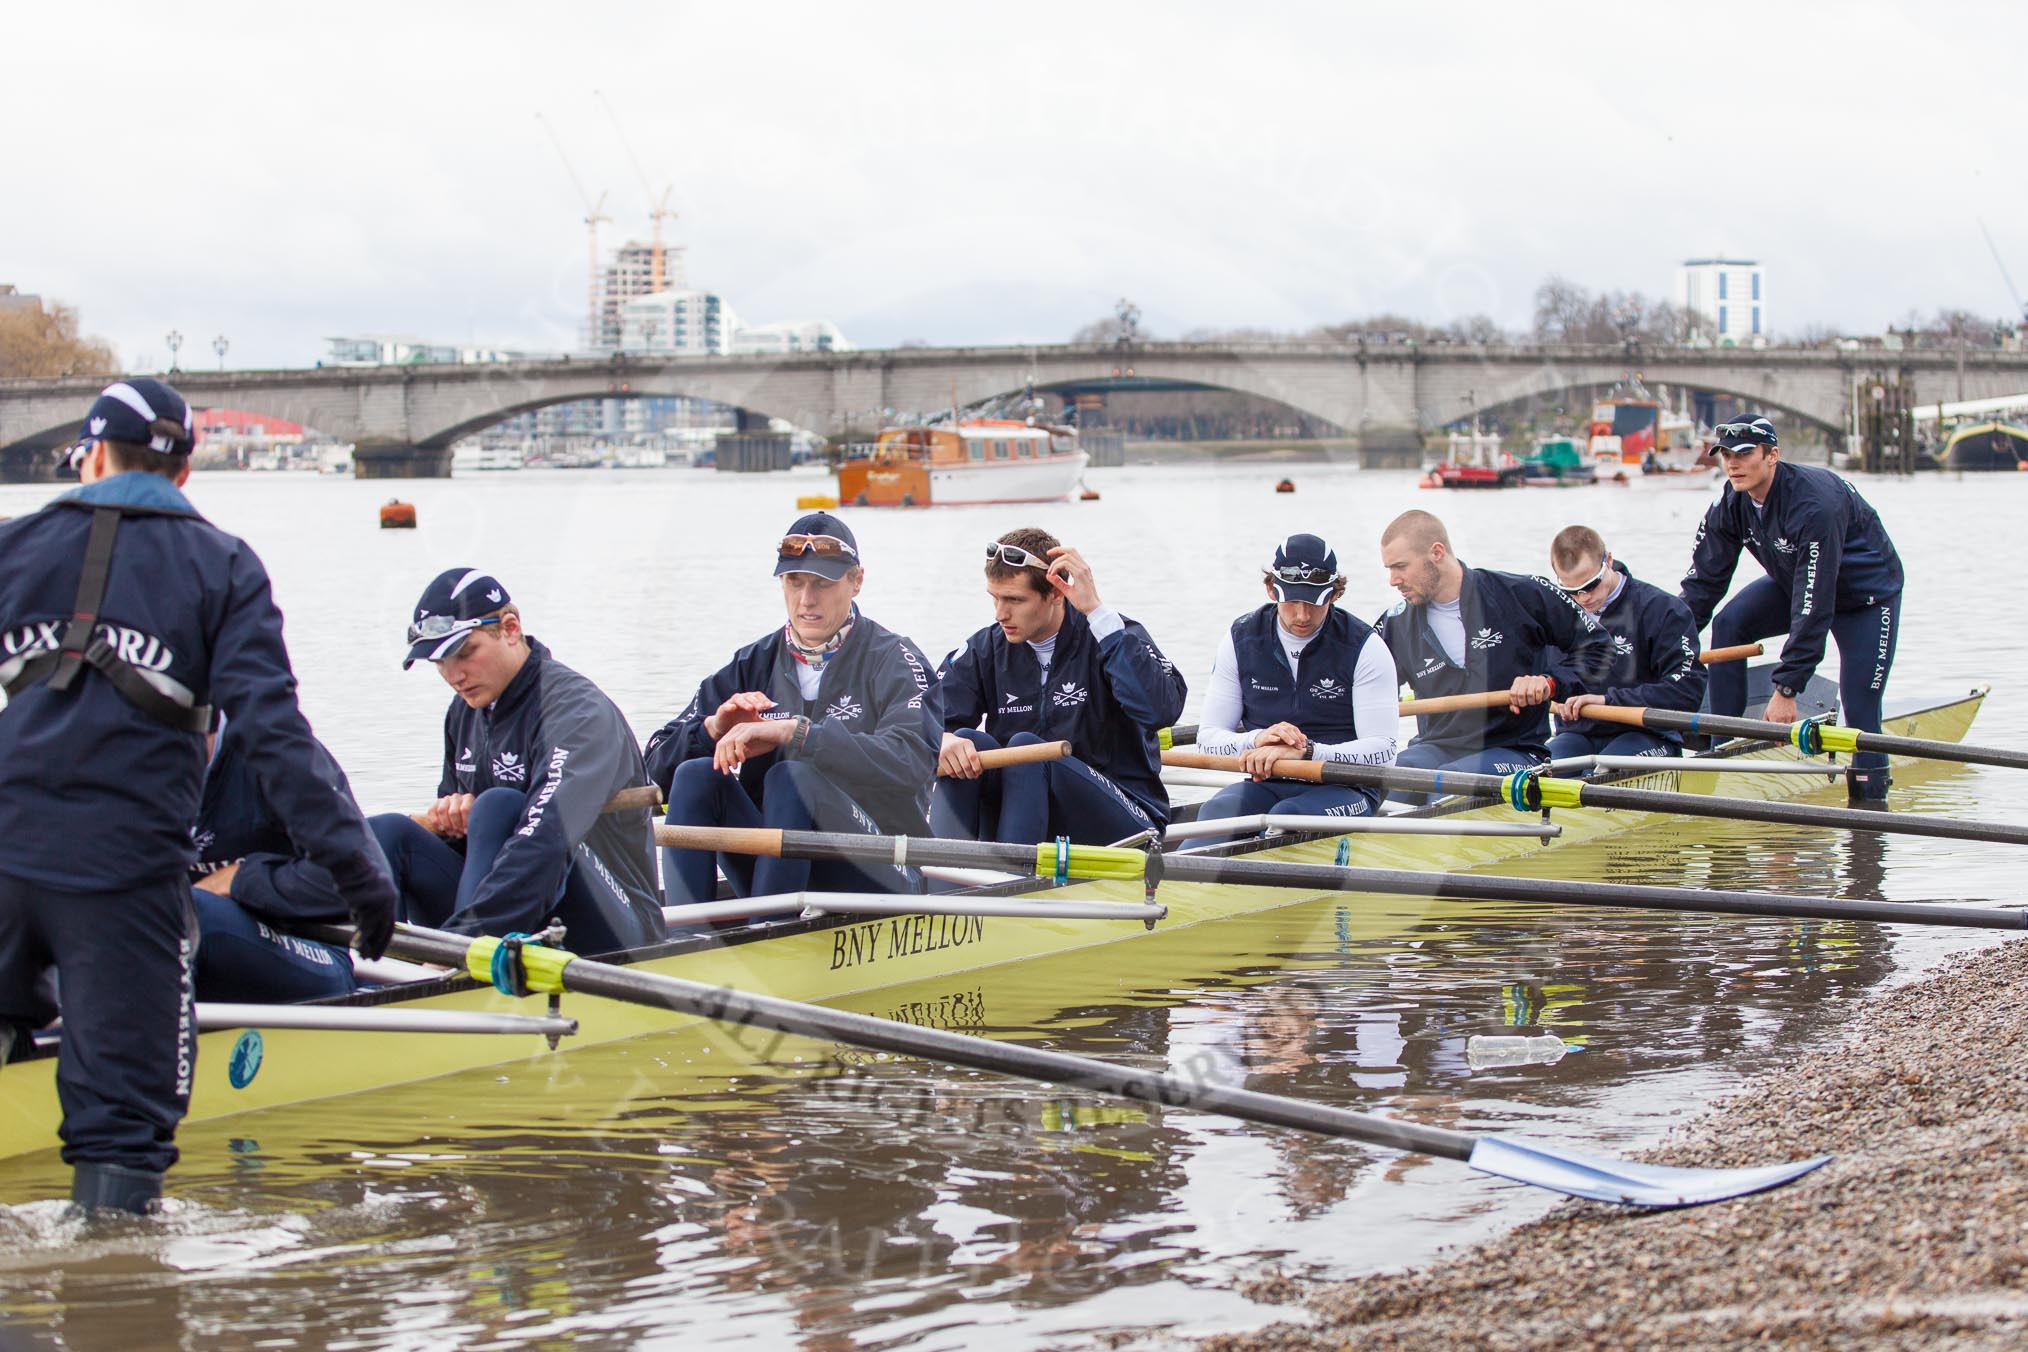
[(397, 515), (1088, 495), (1286, 486)]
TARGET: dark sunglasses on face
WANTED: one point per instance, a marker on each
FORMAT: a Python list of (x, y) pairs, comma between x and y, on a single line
[(1014, 556), (823, 546), (1586, 588)]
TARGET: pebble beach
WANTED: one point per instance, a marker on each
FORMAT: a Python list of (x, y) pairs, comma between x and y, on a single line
[(1915, 1235)]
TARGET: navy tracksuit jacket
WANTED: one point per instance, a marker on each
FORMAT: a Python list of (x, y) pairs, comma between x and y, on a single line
[(1106, 697), (1655, 662)]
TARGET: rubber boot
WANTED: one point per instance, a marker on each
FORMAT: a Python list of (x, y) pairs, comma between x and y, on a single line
[(97, 1188), (1867, 788)]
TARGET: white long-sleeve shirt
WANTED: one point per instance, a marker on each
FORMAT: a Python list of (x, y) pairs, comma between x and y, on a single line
[(1374, 704)]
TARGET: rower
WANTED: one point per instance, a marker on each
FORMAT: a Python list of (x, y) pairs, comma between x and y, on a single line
[(1057, 663), (1830, 569), (1459, 630), (250, 887), (1655, 662), (826, 723), (126, 618), (1279, 688), (532, 751)]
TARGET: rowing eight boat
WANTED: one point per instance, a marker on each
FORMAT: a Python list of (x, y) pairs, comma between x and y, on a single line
[(844, 958)]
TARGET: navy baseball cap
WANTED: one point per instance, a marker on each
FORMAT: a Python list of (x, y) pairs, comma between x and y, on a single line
[(1747, 430), (140, 412), (818, 543), (1305, 569), (457, 601)]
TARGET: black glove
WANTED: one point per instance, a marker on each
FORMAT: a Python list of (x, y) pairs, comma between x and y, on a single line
[(370, 897)]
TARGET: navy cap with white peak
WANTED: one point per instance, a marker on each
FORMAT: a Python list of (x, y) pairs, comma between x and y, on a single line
[(457, 602)]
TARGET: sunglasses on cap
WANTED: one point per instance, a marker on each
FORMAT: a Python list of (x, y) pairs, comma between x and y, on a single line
[(1743, 429), (443, 626), (1014, 556), (74, 458), (1605, 567), (1313, 575), (823, 546)]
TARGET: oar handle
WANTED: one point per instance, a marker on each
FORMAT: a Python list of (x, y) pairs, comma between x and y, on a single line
[(1450, 704), (1289, 767), (1023, 755), (1737, 652), (1630, 715), (725, 839)]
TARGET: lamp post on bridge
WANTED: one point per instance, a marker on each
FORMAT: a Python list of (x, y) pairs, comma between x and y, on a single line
[(219, 345), (175, 341)]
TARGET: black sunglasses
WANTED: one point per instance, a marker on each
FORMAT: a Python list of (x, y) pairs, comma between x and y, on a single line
[(1586, 588)]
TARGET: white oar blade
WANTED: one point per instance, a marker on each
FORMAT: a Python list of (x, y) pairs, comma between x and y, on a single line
[(1624, 1182)]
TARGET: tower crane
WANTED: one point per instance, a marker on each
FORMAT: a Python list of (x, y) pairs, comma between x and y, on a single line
[(594, 216), (658, 206)]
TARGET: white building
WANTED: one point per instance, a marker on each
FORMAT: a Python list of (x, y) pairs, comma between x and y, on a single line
[(790, 335), (1731, 294), (678, 323)]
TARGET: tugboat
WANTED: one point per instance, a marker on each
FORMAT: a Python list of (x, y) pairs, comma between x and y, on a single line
[(1474, 460), (1632, 432), (975, 462), (1557, 463)]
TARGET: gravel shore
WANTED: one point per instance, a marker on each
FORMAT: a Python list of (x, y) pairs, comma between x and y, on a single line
[(1915, 1235)]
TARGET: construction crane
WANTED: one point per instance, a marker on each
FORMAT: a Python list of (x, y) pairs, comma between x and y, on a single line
[(2021, 309), (594, 216), (658, 207)]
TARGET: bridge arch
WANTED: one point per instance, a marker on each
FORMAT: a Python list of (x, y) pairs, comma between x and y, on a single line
[(1786, 415)]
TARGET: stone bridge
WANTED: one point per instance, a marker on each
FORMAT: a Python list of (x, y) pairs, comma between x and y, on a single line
[(403, 419)]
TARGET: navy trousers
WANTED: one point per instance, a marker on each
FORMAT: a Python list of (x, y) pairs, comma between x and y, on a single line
[(1611, 740), (1028, 804), (1865, 638), (241, 958), (1492, 760), (436, 879), (123, 962), (1285, 798), (795, 796)]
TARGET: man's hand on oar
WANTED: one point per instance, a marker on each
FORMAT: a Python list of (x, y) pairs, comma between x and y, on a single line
[(959, 759), (546, 970)]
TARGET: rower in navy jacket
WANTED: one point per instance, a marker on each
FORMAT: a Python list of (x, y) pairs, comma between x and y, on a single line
[(532, 752), (125, 618), (250, 886), (1056, 664), (1280, 687), (1830, 569), (826, 723), (1460, 630), (1655, 662)]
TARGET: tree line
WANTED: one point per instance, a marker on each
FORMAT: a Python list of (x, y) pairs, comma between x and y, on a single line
[(39, 340)]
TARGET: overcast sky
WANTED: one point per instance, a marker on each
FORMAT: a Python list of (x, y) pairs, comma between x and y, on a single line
[(995, 174)]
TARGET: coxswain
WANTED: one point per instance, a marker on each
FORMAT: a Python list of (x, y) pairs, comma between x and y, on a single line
[(828, 723), (252, 888), (1056, 664), (533, 750), (1459, 630), (1654, 640), (1299, 677), (1830, 570), (125, 620)]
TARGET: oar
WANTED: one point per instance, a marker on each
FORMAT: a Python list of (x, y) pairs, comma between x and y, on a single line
[(1528, 792), (1098, 861), (650, 797), (1185, 734), (552, 971), (1808, 737)]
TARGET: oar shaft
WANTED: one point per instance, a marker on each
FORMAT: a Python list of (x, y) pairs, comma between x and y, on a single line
[(1920, 748), (1447, 704), (1003, 1058), (1736, 653), (1483, 887), (849, 848), (1023, 755)]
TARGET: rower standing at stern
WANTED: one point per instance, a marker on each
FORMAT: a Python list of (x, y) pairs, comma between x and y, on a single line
[(1299, 677), (125, 618), (1830, 569), (532, 752), (827, 723), (1459, 630)]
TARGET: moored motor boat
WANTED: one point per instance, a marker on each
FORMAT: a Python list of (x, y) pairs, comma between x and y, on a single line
[(969, 463)]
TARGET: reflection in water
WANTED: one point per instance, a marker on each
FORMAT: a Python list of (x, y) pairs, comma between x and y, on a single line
[(666, 1189)]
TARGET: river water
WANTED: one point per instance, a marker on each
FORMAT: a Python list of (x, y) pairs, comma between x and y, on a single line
[(947, 1210)]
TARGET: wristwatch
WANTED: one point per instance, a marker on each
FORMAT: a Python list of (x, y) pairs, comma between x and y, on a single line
[(1785, 691)]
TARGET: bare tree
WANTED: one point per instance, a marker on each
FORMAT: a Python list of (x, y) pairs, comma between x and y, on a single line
[(39, 342)]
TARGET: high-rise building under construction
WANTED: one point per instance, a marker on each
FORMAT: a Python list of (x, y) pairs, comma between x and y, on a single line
[(629, 276)]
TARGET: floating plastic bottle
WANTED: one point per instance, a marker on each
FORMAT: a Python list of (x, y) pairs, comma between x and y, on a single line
[(1484, 1053)]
